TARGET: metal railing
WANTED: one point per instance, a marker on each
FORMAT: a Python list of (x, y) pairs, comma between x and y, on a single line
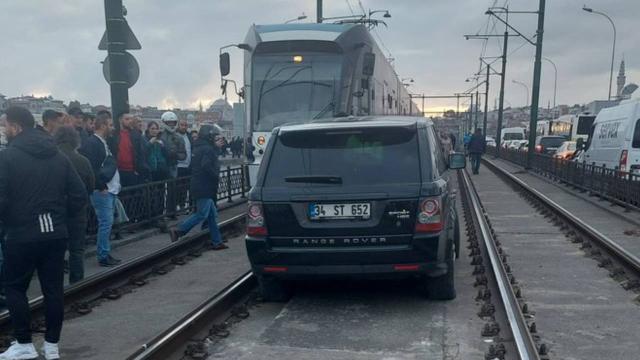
[(150, 202), (620, 187)]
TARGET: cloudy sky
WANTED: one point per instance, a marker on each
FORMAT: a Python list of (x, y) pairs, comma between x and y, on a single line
[(50, 46)]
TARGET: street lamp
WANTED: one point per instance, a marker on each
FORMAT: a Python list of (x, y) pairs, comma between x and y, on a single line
[(386, 13), (613, 52), (555, 81), (301, 17), (526, 88)]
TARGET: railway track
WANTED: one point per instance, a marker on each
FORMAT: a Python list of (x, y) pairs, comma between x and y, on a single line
[(115, 282), (623, 265), (502, 304)]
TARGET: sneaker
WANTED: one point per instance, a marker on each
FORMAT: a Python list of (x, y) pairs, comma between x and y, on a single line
[(108, 262), (117, 261), (175, 234), (50, 351), (218, 247), (19, 351)]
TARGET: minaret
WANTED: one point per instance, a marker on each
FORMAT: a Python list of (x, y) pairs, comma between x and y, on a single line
[(622, 79)]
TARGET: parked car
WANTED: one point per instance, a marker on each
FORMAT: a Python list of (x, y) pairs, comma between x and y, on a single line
[(548, 144), (490, 141), (383, 205), (615, 137), (566, 150)]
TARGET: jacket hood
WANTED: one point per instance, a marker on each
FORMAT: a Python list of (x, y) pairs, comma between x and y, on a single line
[(36, 143)]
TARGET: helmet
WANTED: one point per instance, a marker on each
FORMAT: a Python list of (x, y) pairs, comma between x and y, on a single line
[(169, 116), (209, 132)]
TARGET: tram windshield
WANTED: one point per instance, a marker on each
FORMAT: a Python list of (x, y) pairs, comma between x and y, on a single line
[(294, 88)]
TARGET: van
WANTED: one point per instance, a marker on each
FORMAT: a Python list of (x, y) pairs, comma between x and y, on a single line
[(615, 137), (357, 197), (512, 133)]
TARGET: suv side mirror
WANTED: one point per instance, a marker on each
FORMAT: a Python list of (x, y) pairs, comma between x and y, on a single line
[(225, 64), (368, 64), (457, 161)]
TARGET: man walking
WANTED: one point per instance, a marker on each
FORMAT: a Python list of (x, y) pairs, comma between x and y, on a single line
[(68, 142), (205, 168), (39, 192), (107, 185), (477, 146)]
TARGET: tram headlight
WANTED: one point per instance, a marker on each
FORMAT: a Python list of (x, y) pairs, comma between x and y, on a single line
[(261, 140)]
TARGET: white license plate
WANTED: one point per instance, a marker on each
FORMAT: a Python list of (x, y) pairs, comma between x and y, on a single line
[(339, 211)]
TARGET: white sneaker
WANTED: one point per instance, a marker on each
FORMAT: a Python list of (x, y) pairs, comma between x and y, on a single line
[(19, 351), (50, 351)]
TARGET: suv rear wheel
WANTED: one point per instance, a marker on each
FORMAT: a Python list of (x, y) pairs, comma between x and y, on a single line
[(273, 289), (443, 287)]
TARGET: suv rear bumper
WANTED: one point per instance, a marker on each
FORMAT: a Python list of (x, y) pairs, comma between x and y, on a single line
[(421, 258)]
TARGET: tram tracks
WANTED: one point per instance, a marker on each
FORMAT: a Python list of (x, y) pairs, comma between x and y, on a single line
[(623, 265)]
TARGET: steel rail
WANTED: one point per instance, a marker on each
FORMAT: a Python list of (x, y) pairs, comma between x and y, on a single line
[(624, 256), (92, 287), (176, 336), (524, 342)]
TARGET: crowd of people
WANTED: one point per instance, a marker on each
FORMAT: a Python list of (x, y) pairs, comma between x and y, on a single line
[(51, 173)]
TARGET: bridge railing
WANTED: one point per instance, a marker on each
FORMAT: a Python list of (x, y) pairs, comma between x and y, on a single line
[(620, 187), (150, 202)]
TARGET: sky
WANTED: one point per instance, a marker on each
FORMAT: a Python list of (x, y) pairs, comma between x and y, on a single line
[(50, 47)]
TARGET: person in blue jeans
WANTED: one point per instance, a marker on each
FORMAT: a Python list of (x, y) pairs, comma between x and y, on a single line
[(107, 185), (477, 146), (205, 170)]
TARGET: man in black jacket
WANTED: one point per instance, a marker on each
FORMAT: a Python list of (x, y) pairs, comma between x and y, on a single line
[(477, 147), (205, 170), (39, 191)]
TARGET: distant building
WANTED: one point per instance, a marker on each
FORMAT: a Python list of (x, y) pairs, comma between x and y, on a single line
[(622, 79), (36, 105), (3, 102)]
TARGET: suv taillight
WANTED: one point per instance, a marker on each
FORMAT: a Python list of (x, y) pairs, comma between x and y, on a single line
[(255, 220), (429, 217), (539, 148), (623, 160)]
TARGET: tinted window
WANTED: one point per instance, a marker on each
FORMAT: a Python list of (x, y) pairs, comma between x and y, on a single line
[(584, 125), (357, 156), (513, 136), (552, 141), (636, 135)]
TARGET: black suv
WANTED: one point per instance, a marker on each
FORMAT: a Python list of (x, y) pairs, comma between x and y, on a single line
[(370, 196)]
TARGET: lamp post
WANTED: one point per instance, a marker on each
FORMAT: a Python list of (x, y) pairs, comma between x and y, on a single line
[(555, 80), (613, 52), (301, 17), (525, 87)]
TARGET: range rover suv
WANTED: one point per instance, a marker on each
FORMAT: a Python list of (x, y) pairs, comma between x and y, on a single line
[(369, 196)]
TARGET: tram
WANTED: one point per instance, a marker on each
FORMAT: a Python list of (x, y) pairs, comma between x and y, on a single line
[(297, 73)]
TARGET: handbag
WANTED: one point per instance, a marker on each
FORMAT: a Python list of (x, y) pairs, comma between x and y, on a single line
[(108, 168), (120, 214)]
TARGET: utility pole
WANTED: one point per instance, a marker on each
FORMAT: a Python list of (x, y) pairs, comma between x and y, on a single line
[(535, 96), (486, 103), (475, 122), (319, 11), (501, 101)]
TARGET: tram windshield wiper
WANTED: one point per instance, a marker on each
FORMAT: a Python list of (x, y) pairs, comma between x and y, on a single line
[(320, 179)]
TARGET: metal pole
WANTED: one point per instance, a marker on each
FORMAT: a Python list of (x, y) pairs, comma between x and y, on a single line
[(470, 113), (319, 11), (535, 96), (486, 103), (423, 112), (613, 52), (503, 75), (475, 123), (116, 28)]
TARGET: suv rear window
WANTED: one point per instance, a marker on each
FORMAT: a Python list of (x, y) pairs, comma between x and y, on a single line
[(359, 156), (552, 141)]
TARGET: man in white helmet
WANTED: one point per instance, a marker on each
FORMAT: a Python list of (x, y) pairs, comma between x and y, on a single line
[(174, 144)]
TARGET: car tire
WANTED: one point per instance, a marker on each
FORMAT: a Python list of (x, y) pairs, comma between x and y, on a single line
[(273, 289), (456, 236)]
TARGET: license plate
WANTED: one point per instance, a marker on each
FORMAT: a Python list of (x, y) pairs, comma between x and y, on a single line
[(339, 211)]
